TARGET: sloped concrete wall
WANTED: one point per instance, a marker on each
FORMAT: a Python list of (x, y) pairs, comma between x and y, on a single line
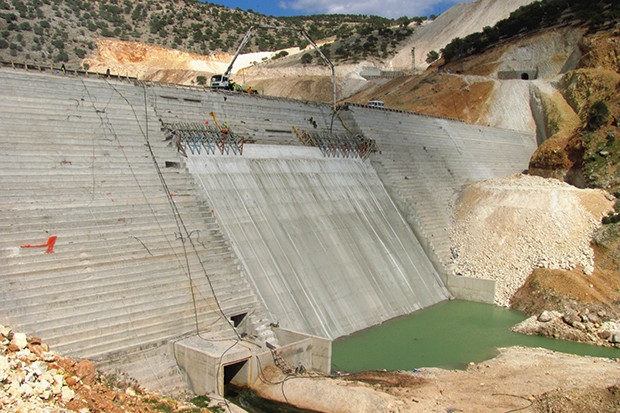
[(424, 163), (325, 246)]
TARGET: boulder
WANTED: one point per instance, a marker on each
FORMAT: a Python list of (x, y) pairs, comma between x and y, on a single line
[(85, 370), (547, 316), (19, 341), (67, 394)]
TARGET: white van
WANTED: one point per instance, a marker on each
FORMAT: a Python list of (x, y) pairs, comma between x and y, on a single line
[(374, 103)]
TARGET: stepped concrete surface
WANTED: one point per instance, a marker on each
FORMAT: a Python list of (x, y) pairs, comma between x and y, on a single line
[(425, 161), (258, 119), (137, 259)]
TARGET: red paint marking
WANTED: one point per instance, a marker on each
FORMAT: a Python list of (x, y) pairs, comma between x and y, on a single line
[(49, 244)]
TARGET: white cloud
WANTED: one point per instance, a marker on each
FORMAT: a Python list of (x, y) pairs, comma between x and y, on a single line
[(385, 8)]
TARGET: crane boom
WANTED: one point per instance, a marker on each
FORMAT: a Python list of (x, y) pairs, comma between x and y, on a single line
[(245, 40), (223, 81), (329, 63)]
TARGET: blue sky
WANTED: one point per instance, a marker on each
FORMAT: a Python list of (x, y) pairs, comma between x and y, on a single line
[(385, 8)]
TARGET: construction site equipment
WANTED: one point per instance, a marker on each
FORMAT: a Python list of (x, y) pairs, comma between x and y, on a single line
[(223, 81), (338, 146), (374, 103)]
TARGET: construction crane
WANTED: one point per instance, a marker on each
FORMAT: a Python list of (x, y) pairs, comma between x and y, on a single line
[(222, 81)]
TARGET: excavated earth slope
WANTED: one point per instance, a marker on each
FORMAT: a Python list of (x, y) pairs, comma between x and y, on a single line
[(505, 228)]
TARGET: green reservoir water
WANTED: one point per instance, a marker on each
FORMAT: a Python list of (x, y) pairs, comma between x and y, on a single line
[(448, 335)]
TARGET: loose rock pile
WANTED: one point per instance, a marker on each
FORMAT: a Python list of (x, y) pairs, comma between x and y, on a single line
[(584, 326), (30, 380), (35, 379), (507, 227)]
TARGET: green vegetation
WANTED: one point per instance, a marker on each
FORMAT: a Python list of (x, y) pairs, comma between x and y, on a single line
[(52, 31), (432, 56), (534, 17), (200, 401), (598, 115), (601, 160), (168, 406), (280, 54), (306, 59), (159, 405)]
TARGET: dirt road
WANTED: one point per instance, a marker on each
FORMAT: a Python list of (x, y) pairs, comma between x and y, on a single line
[(518, 379)]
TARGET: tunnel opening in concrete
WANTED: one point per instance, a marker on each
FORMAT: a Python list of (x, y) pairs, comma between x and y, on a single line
[(238, 319), (237, 373), (525, 76)]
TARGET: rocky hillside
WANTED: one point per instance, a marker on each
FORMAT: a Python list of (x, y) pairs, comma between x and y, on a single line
[(570, 100), (53, 32), (288, 77), (50, 32), (457, 22)]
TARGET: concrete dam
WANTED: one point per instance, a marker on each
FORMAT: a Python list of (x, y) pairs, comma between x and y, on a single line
[(135, 236)]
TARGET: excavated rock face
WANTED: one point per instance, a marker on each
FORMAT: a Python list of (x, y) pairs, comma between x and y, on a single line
[(585, 155), (589, 155), (149, 62), (600, 51)]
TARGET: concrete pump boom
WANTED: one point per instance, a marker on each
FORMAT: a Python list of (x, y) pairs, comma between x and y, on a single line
[(239, 49), (305, 35)]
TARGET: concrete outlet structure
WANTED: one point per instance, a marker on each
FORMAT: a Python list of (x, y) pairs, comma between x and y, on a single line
[(210, 365)]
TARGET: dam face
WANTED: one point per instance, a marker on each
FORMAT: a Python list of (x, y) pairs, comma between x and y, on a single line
[(120, 245), (325, 246)]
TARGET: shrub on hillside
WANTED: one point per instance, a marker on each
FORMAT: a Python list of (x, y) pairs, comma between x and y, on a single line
[(598, 115), (306, 58)]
